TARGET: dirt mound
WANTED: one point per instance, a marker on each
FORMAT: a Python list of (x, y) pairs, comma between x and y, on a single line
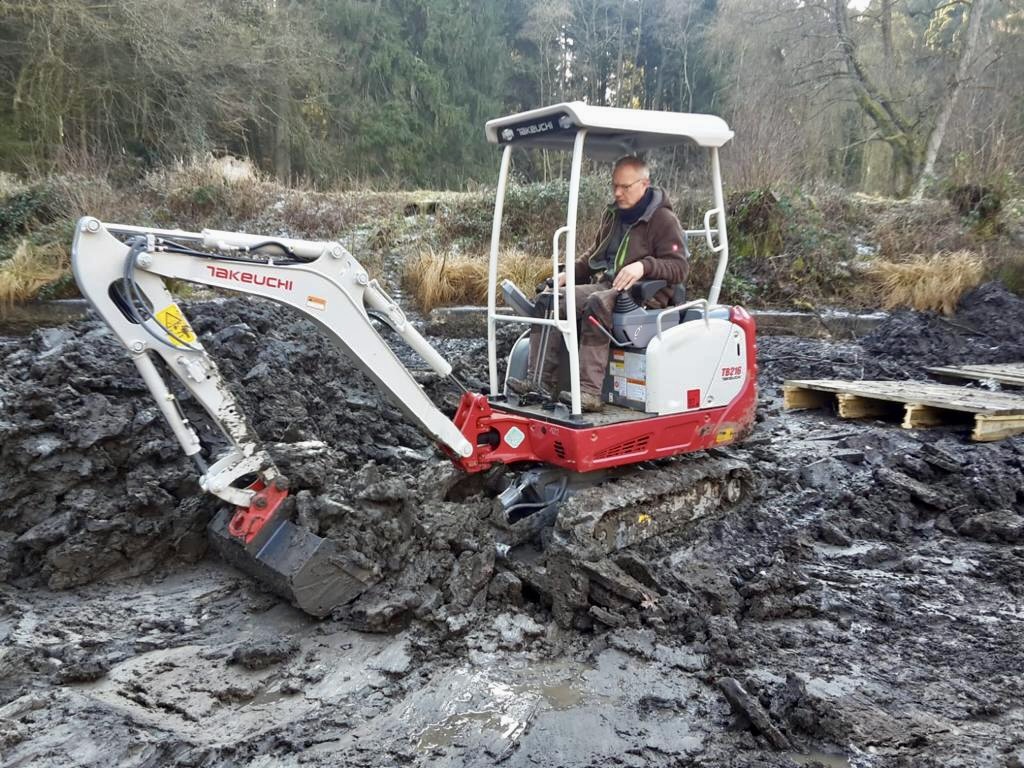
[(94, 483), (858, 609), (985, 329)]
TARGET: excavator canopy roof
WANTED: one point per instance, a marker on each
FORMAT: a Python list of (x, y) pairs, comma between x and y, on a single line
[(611, 131)]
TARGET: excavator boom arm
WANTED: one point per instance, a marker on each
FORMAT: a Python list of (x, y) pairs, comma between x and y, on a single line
[(124, 283)]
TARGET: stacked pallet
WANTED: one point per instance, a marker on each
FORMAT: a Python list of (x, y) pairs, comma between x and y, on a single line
[(919, 404), (1006, 374)]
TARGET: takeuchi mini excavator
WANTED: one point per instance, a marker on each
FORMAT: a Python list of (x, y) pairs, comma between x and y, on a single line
[(679, 379)]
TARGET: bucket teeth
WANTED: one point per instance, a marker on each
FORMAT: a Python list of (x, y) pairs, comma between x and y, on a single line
[(306, 569)]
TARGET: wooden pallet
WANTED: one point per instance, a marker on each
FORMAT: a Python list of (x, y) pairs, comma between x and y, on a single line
[(1010, 374), (996, 415)]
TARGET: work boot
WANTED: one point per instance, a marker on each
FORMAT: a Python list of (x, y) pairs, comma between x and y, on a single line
[(589, 403), (523, 387), (519, 386)]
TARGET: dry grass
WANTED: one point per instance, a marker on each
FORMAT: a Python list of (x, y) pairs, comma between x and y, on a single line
[(10, 184), (899, 227), (94, 196), (317, 215), (31, 268), (435, 280), (926, 283), (204, 188)]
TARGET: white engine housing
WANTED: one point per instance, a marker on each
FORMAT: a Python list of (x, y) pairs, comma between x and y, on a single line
[(698, 364)]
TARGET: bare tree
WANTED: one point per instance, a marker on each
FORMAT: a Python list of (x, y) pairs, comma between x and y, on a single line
[(894, 127), (885, 22), (968, 54), (821, 60)]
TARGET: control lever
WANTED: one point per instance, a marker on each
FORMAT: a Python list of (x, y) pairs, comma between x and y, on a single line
[(516, 299), (597, 324)]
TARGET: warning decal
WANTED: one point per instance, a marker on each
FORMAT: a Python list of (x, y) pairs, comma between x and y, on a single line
[(631, 389), (514, 437), (171, 318)]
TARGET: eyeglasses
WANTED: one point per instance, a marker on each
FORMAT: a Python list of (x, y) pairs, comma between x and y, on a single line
[(624, 187)]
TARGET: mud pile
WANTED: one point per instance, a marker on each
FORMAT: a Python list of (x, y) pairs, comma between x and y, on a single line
[(860, 605), (94, 485), (93, 482), (985, 329)]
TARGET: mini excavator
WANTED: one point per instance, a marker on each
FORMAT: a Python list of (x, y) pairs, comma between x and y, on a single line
[(680, 379)]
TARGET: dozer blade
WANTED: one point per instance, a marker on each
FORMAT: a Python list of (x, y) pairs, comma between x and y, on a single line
[(306, 569), (585, 567)]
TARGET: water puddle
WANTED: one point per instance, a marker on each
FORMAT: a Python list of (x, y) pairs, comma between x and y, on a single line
[(447, 732), (561, 697), (831, 550), (822, 758), (271, 695), (499, 710)]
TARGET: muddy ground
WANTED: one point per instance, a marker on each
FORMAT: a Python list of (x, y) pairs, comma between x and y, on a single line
[(863, 607)]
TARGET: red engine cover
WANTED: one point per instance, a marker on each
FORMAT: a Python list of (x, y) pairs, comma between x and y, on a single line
[(505, 437)]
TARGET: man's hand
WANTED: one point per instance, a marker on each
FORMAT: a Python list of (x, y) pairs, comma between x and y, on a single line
[(627, 276)]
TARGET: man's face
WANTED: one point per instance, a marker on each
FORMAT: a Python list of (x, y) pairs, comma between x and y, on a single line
[(628, 186)]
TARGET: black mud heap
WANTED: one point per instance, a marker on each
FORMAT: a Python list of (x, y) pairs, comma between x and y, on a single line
[(94, 485)]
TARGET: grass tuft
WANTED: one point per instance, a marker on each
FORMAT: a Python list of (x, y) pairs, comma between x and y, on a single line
[(928, 283), (30, 269), (208, 188), (445, 279)]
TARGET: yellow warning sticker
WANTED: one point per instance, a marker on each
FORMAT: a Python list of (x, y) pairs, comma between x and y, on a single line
[(725, 435), (171, 318)]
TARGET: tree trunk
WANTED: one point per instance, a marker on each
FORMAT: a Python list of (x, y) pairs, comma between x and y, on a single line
[(938, 133), (894, 129), (282, 131), (281, 154), (617, 102), (887, 31)]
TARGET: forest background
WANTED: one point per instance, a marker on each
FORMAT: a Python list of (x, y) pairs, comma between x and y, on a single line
[(896, 98), (395, 92)]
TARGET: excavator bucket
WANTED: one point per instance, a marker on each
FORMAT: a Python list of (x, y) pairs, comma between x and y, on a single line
[(306, 569)]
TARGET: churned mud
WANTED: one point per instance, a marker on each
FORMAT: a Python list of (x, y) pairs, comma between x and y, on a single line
[(863, 606)]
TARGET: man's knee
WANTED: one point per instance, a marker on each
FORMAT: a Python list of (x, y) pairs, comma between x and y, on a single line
[(601, 304)]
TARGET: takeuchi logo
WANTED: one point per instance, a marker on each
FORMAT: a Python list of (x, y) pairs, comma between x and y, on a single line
[(544, 127), (250, 278)]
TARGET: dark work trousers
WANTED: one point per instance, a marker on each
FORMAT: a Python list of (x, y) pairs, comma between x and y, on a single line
[(596, 299)]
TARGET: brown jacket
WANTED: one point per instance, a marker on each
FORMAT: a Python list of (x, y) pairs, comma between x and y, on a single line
[(656, 239)]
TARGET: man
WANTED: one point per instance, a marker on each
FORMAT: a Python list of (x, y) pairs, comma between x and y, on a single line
[(639, 238)]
